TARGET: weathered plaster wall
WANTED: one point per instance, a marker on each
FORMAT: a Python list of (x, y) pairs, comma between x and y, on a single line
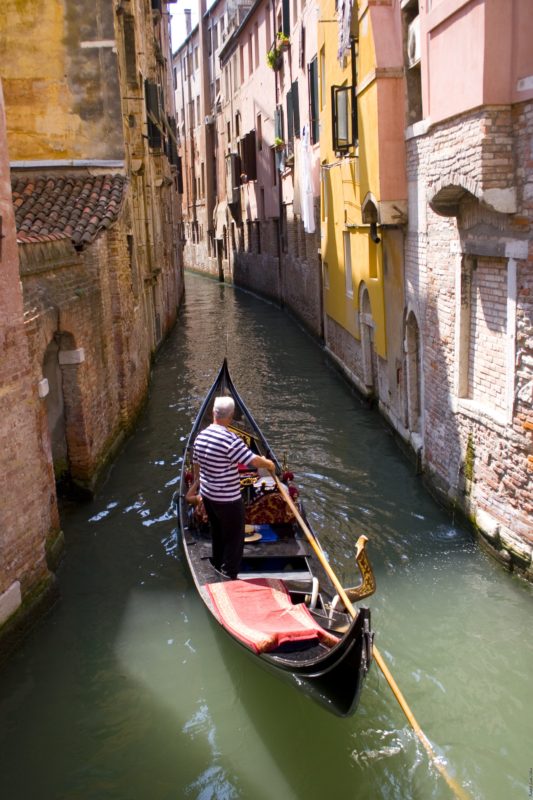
[(61, 99)]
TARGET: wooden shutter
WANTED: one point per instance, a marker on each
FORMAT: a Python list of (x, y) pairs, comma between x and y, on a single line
[(296, 109), (286, 25), (312, 72)]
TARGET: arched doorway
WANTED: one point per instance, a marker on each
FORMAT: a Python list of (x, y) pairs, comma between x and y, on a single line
[(413, 373), (366, 324), (55, 409)]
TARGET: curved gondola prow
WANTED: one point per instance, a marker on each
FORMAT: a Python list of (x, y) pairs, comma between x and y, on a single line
[(223, 384), (246, 413)]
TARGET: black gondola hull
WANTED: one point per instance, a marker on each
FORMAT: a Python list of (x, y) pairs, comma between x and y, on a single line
[(332, 675)]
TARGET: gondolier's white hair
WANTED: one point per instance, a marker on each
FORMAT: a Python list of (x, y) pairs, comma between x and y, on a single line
[(223, 407)]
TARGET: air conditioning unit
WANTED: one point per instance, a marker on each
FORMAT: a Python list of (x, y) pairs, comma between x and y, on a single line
[(209, 120), (413, 42)]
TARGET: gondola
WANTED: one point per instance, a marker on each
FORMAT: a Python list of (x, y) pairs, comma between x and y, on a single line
[(283, 608)]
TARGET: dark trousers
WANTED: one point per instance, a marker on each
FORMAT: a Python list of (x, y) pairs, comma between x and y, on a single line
[(226, 521)]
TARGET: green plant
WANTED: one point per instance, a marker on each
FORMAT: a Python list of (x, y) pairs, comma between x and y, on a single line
[(273, 58), (282, 39), (279, 144)]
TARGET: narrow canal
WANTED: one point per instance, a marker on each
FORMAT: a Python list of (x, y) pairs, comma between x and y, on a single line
[(127, 691)]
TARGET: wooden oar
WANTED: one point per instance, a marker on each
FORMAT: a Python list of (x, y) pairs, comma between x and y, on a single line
[(452, 783)]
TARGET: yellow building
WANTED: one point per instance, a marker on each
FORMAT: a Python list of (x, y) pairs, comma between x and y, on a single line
[(363, 203)]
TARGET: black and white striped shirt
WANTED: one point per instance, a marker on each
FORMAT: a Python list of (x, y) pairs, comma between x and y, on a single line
[(218, 451)]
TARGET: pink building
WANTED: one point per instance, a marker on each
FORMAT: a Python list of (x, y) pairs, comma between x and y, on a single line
[(261, 201)]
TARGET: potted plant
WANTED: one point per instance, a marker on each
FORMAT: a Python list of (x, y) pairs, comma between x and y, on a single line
[(282, 41), (279, 144), (274, 58)]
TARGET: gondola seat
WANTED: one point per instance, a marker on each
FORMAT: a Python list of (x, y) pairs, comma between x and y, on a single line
[(260, 613)]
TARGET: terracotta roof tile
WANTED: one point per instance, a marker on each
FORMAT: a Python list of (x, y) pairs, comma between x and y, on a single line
[(68, 206)]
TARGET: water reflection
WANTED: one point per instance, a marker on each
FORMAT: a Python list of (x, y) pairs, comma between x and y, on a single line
[(128, 690)]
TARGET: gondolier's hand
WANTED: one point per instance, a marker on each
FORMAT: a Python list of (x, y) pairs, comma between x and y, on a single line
[(263, 463)]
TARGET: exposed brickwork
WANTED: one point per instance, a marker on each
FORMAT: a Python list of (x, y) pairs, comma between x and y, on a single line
[(475, 446), (100, 267), (28, 510), (487, 335)]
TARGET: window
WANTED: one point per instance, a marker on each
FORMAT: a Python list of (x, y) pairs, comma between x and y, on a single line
[(129, 51), (484, 333), (242, 63), (312, 72), (256, 42), (267, 28), (322, 79), (250, 55), (133, 265), (196, 57), (284, 237), (344, 118), (259, 132), (215, 36), (152, 100), (279, 134), (227, 81), (293, 112), (348, 264), (247, 149), (286, 25), (235, 74)]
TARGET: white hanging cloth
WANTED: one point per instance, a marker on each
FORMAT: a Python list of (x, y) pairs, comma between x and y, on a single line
[(306, 183)]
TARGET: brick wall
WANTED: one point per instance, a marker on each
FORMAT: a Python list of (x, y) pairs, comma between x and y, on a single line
[(475, 401), (487, 339), (85, 301), (28, 511)]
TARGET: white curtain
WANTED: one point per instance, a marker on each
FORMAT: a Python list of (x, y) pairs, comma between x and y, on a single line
[(306, 183)]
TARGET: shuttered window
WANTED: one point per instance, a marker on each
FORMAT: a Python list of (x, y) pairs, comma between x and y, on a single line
[(247, 148), (312, 72), (286, 17), (152, 99), (129, 50)]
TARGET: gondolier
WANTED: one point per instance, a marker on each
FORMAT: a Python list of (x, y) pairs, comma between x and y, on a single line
[(216, 456)]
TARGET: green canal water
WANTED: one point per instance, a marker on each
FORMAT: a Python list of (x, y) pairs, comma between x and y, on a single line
[(127, 691)]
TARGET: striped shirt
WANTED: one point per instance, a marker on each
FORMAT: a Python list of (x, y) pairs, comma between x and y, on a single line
[(218, 451)]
